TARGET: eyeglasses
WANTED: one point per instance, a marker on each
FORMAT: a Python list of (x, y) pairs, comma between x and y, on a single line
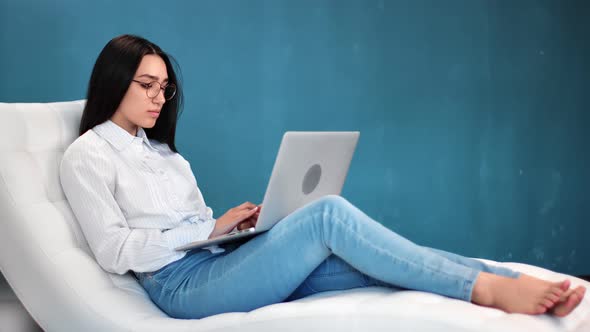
[(152, 89)]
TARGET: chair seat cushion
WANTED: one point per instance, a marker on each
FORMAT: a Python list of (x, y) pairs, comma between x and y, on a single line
[(380, 309)]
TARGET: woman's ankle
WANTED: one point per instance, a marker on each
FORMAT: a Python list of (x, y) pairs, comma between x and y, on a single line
[(482, 289)]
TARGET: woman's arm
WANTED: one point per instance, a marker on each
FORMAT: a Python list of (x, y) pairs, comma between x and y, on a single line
[(88, 181)]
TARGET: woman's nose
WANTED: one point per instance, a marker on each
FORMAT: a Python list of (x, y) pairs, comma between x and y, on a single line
[(159, 98)]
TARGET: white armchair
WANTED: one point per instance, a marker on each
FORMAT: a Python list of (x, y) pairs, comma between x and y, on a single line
[(47, 262)]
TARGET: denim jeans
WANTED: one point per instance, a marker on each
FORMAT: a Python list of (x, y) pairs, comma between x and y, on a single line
[(328, 244)]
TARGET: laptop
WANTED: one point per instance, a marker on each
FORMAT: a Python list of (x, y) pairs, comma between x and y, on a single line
[(309, 165)]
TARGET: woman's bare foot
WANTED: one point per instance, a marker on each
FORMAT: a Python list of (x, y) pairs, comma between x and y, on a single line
[(568, 302), (525, 294)]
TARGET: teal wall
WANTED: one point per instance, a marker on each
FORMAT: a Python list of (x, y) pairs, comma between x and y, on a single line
[(473, 114)]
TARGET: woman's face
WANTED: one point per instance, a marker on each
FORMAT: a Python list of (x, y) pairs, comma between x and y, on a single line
[(136, 108)]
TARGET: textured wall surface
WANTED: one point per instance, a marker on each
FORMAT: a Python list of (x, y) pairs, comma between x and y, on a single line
[(473, 114)]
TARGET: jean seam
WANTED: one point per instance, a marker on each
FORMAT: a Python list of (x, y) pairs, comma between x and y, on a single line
[(309, 286), (327, 275), (150, 279), (361, 238), (468, 285), (366, 279), (331, 274)]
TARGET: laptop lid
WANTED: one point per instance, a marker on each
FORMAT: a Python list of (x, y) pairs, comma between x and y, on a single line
[(309, 165)]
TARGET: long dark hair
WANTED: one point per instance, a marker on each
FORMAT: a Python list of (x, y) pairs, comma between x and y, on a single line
[(112, 74)]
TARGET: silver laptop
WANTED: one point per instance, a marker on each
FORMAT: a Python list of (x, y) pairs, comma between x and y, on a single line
[(309, 165)]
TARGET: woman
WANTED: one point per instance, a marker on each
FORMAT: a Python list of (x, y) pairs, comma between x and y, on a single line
[(137, 199)]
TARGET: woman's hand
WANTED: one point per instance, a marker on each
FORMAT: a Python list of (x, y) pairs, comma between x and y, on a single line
[(251, 221), (233, 217)]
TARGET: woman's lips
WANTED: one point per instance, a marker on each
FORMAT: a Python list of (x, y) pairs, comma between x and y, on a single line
[(154, 114)]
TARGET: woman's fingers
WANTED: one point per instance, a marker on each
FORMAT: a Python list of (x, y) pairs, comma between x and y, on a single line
[(242, 212), (246, 205), (241, 216), (251, 212), (244, 225)]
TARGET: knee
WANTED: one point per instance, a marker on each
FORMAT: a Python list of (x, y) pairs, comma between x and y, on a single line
[(330, 202), (332, 199), (335, 207)]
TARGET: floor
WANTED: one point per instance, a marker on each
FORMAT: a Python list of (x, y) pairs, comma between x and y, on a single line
[(13, 316)]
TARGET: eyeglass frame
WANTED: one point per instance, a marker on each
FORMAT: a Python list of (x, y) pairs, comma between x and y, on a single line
[(147, 87)]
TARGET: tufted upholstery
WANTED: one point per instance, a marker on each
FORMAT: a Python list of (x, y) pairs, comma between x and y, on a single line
[(46, 260)]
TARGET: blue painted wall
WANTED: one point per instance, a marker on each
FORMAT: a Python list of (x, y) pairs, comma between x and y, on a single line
[(473, 114)]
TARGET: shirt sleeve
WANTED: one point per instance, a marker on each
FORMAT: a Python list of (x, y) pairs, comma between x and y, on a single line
[(88, 181)]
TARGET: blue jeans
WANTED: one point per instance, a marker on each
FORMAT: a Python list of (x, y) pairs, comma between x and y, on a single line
[(326, 245)]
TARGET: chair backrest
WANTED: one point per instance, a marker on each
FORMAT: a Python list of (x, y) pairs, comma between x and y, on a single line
[(43, 253)]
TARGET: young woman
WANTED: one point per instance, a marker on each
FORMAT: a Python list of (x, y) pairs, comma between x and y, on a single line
[(137, 199)]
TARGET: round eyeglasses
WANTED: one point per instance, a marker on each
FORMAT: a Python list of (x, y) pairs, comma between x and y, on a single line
[(152, 89)]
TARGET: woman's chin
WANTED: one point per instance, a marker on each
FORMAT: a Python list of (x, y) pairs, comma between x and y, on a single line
[(149, 123)]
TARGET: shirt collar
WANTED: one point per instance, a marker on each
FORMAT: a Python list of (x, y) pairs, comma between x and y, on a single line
[(141, 134), (118, 137)]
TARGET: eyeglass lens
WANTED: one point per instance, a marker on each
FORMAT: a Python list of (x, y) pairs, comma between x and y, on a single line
[(169, 90)]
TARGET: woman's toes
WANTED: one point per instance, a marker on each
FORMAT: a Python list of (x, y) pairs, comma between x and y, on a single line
[(565, 295), (553, 298), (548, 303), (564, 308), (565, 285)]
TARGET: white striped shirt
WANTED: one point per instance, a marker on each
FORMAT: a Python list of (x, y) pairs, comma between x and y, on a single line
[(135, 199)]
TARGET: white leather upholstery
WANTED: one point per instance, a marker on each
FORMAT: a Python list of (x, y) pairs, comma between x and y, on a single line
[(46, 260), (13, 316)]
